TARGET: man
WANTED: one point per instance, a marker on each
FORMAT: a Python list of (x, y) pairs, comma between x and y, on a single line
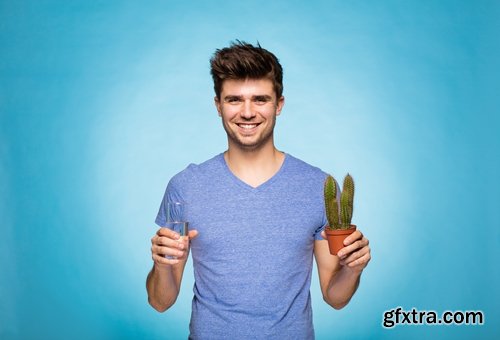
[(256, 219)]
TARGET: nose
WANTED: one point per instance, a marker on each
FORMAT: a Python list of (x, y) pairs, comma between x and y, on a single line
[(247, 110)]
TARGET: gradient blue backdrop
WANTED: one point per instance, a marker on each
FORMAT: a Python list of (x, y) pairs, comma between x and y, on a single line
[(101, 102)]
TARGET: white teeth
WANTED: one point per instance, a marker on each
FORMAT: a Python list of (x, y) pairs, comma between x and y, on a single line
[(248, 126)]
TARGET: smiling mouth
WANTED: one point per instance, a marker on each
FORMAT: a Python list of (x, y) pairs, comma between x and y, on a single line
[(248, 126)]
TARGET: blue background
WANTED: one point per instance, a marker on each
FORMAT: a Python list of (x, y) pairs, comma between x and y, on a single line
[(101, 102)]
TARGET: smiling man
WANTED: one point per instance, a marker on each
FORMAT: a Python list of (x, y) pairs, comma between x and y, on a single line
[(256, 219)]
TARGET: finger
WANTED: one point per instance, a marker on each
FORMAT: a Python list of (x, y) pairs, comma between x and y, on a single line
[(167, 251), (363, 260), (192, 234), (323, 234), (168, 233), (352, 247), (168, 242), (356, 235), (356, 255), (164, 261)]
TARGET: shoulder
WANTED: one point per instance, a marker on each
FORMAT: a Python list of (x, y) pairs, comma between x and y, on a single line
[(196, 172), (300, 168)]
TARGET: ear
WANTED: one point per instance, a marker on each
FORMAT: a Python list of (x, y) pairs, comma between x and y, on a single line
[(218, 106), (280, 104)]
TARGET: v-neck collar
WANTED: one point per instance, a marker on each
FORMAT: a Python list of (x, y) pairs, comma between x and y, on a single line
[(247, 186)]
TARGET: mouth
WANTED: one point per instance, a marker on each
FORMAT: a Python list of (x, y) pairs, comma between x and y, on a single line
[(248, 126)]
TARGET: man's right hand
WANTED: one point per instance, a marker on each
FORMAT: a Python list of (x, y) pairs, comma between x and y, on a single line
[(167, 242)]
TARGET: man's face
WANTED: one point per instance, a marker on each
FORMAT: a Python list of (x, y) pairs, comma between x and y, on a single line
[(248, 108)]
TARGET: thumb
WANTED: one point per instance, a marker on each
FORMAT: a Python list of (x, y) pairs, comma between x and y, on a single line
[(192, 234)]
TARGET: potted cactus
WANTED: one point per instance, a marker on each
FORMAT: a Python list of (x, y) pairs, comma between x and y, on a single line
[(338, 214)]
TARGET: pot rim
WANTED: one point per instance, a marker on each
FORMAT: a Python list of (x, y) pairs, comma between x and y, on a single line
[(340, 231)]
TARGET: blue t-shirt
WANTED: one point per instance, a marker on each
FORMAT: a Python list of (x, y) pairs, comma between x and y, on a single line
[(253, 256)]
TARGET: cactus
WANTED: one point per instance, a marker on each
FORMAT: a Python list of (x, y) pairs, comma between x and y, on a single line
[(331, 204), (333, 209), (346, 201)]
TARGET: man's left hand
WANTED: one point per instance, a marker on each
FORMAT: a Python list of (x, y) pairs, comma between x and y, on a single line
[(356, 252)]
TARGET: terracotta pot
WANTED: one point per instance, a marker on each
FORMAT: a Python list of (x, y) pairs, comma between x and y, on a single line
[(336, 238)]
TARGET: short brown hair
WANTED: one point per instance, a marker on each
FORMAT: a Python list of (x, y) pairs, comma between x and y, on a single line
[(244, 61)]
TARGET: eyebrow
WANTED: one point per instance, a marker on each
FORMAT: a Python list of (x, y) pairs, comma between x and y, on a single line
[(263, 97), (229, 97)]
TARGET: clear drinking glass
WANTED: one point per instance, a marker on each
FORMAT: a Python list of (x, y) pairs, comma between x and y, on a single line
[(176, 219)]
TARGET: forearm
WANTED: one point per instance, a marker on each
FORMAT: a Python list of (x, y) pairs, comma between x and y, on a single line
[(342, 287), (163, 286)]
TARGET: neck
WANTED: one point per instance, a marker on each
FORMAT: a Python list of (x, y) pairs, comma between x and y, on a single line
[(254, 167)]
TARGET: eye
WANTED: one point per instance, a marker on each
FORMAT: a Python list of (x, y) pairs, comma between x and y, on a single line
[(233, 100), (261, 100)]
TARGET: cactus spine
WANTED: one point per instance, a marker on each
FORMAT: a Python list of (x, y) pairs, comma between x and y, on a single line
[(339, 215)]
